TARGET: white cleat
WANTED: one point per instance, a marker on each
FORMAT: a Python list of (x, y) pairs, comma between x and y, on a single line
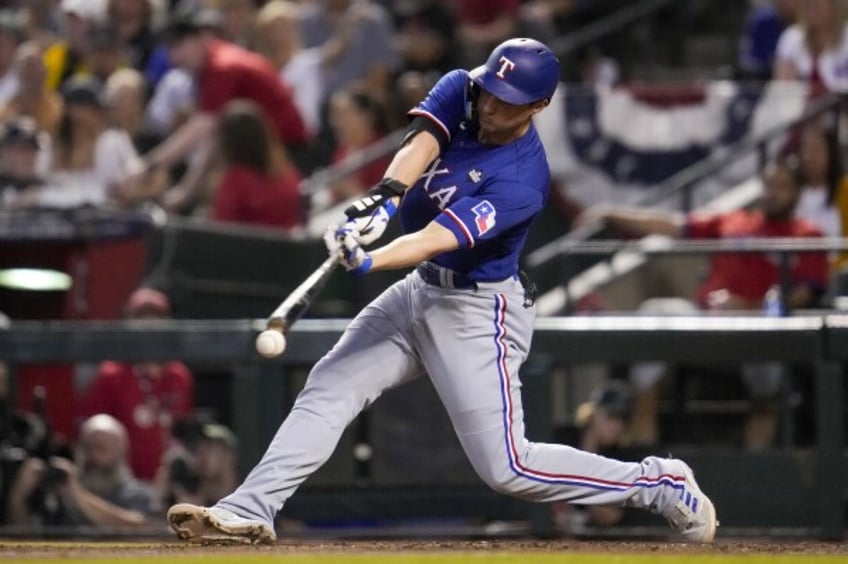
[(693, 515), (216, 525)]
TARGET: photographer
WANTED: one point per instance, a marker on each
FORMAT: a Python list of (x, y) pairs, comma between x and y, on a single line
[(202, 468), (96, 489)]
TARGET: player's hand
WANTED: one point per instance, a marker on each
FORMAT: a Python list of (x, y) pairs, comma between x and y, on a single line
[(371, 227), (344, 243), (333, 243)]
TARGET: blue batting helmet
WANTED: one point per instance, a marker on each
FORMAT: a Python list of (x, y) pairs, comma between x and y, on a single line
[(519, 71)]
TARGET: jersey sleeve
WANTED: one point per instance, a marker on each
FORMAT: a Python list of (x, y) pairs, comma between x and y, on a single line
[(490, 213), (446, 104)]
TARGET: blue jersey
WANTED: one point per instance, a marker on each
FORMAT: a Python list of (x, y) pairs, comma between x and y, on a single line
[(487, 195)]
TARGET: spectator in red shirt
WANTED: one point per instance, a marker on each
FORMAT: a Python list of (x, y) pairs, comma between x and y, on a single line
[(223, 72), (734, 282), (357, 119), (144, 397), (259, 185)]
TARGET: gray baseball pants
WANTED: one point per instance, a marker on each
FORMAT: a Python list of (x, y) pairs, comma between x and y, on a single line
[(471, 343)]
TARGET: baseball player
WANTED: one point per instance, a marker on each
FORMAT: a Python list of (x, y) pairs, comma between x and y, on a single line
[(467, 182)]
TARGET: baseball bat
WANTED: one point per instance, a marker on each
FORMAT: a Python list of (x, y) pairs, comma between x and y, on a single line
[(272, 341), (294, 306)]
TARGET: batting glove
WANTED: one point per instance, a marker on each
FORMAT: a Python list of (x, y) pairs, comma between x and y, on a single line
[(371, 227), (344, 243), (351, 254)]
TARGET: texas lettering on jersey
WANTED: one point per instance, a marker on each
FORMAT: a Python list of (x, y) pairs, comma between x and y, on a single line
[(440, 196)]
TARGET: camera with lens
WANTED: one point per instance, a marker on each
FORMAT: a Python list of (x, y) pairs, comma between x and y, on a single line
[(45, 500), (54, 476)]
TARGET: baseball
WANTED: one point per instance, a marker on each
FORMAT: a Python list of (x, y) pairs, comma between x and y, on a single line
[(270, 343)]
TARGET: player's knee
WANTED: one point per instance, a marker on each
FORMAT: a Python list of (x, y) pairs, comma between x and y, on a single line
[(505, 480)]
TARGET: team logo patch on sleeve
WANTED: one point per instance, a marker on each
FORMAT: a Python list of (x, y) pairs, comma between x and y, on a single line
[(484, 216)]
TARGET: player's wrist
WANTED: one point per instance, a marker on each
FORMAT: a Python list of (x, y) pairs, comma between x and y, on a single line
[(390, 187), (379, 196), (364, 267), (390, 207)]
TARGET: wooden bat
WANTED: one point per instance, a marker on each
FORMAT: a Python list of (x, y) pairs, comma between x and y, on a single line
[(272, 342)]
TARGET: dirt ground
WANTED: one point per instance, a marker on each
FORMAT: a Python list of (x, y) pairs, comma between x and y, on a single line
[(724, 546)]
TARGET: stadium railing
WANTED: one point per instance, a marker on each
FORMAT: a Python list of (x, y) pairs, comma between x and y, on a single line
[(787, 491)]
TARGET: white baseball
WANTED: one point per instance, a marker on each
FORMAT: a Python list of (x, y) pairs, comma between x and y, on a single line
[(270, 343)]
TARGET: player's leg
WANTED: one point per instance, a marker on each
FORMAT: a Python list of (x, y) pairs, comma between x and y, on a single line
[(475, 372), (372, 356)]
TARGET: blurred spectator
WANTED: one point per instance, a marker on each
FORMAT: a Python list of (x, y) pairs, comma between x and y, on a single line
[(11, 35), (815, 49), (425, 35), (88, 156), (172, 103), (356, 38), (21, 143), (595, 68), (823, 180), (223, 72), (146, 397), (133, 21), (357, 120), (824, 199), (124, 95), (259, 185), (98, 488), (765, 24), (237, 20), (278, 39), (66, 57), (104, 52), (484, 24), (601, 428), (546, 20), (734, 282), (40, 21), (33, 98), (410, 88), (551, 20), (202, 469), (124, 98)]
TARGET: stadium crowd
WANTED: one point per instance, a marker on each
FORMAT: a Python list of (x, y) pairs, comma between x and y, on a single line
[(220, 109)]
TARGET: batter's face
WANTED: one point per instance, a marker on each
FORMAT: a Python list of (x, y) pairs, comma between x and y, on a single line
[(502, 122)]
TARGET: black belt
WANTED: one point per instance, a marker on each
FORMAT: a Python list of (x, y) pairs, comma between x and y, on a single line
[(436, 275)]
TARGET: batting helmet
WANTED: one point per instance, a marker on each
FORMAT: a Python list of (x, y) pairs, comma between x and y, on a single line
[(519, 71)]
